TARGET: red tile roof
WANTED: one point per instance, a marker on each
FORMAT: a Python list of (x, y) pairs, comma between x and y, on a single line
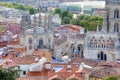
[(69, 27), (27, 59), (101, 72), (59, 41), (31, 78), (63, 73), (8, 63), (14, 28)]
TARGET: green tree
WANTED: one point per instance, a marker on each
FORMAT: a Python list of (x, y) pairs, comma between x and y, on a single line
[(75, 21), (66, 20), (20, 7), (57, 11), (87, 18), (64, 14), (81, 17), (110, 78), (70, 15), (8, 74), (88, 22)]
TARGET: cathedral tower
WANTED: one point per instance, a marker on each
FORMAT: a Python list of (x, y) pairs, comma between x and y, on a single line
[(113, 16), (25, 22)]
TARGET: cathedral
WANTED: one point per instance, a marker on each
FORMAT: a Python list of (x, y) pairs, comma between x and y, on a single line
[(105, 44), (36, 34)]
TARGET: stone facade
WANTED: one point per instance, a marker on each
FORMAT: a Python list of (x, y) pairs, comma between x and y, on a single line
[(113, 15), (101, 46), (36, 36), (41, 41), (105, 44)]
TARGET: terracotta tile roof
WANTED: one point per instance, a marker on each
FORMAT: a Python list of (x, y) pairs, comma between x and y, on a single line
[(89, 62), (31, 78), (38, 73), (20, 50), (14, 41), (69, 28), (44, 53), (96, 63), (14, 28), (74, 28), (102, 72), (34, 73), (9, 56), (63, 73), (8, 63), (27, 59), (3, 44), (111, 64), (59, 41)]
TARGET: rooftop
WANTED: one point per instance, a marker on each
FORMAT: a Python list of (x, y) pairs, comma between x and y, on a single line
[(94, 4)]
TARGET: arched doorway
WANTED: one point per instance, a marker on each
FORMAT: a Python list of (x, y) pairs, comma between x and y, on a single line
[(40, 43)]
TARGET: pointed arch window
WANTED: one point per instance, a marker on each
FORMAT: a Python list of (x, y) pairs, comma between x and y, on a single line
[(105, 57), (116, 13), (102, 56), (40, 43), (116, 27)]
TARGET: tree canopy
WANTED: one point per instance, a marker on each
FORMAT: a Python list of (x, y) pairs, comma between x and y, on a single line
[(57, 11), (20, 7), (110, 78), (8, 74), (88, 22)]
